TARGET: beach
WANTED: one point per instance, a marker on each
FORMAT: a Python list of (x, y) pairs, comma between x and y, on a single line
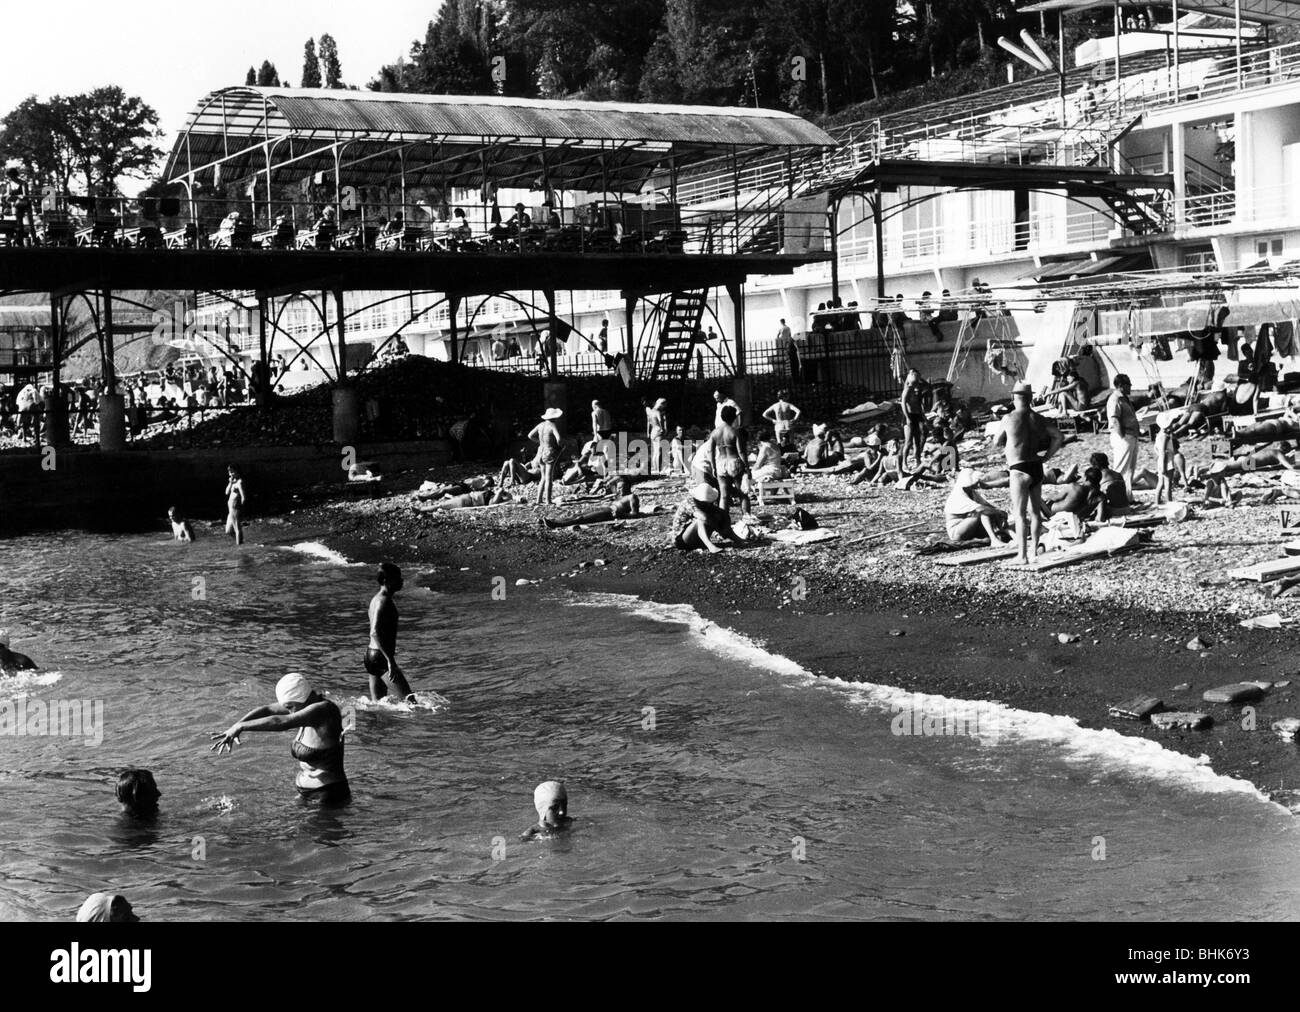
[(877, 612)]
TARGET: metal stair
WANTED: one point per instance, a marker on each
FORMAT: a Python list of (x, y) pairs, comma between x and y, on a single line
[(677, 336)]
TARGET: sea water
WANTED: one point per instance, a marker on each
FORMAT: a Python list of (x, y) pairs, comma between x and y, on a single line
[(708, 777)]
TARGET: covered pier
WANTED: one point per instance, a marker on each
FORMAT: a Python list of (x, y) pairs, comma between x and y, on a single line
[(285, 192)]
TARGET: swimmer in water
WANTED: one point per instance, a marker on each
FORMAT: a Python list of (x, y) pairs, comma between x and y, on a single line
[(552, 804), (137, 793), (380, 662), (106, 907), (234, 505), (11, 663), (318, 746), (181, 529)]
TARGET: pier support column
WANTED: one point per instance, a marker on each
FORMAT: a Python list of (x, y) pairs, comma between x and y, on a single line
[(347, 416), (453, 310), (555, 394), (112, 406), (742, 388), (347, 402), (553, 331), (55, 428), (264, 384), (112, 422)]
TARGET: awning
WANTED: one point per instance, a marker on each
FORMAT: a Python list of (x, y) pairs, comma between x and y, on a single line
[(1087, 267), (1263, 11)]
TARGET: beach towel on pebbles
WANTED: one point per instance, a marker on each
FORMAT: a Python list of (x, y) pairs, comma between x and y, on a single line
[(805, 537)]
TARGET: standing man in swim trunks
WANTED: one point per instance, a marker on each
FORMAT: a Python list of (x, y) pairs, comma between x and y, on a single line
[(1026, 434), (913, 417), (234, 505), (1122, 421), (381, 664)]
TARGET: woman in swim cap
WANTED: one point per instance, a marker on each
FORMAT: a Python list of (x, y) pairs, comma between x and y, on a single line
[(318, 746)]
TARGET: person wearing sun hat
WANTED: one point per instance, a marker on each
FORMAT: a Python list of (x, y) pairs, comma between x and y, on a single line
[(968, 515), (318, 746), (698, 517), (547, 437)]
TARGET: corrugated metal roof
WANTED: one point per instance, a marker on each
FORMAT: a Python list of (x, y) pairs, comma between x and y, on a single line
[(631, 139)]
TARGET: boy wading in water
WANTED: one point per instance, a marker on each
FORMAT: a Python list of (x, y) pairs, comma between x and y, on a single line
[(234, 505), (1025, 434), (381, 664)]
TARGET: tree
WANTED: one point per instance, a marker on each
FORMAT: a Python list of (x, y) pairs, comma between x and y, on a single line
[(691, 61), (251, 79), (329, 62), (110, 135), (268, 76), (310, 65), (30, 134)]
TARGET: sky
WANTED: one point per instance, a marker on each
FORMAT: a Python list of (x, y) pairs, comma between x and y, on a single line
[(172, 54)]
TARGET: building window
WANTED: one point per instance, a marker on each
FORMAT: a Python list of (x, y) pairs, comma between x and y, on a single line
[(1271, 247)]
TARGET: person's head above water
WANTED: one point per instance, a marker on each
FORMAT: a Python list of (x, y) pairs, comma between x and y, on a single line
[(106, 907), (293, 690), (137, 792), (389, 575), (552, 804)]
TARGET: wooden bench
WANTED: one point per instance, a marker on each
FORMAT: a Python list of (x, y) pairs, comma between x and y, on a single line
[(775, 491)]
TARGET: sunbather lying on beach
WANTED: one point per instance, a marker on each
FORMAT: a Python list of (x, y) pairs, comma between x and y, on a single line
[(520, 471), (1001, 477), (467, 501), (1083, 499), (698, 518), (1270, 431), (626, 508), (968, 515), (1244, 463)]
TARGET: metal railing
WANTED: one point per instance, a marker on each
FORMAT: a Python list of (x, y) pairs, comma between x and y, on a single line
[(759, 227)]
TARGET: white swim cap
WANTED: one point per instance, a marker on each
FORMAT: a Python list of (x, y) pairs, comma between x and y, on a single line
[(704, 492), (547, 794), (4, 637), (293, 688)]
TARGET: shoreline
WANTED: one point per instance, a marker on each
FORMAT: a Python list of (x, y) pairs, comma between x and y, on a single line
[(918, 634)]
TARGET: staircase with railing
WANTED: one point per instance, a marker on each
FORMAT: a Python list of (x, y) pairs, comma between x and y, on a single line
[(677, 336)]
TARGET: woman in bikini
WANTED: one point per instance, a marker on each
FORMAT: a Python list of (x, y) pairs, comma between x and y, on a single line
[(318, 746)]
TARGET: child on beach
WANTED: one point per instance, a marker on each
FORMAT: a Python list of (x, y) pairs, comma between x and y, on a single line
[(552, 804), (677, 453), (181, 529), (1170, 463), (234, 505), (547, 438)]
